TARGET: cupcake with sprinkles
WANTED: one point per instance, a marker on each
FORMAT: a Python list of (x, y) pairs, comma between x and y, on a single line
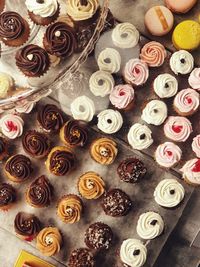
[(154, 54), (191, 172), (165, 85), (196, 145), (81, 257), (194, 79), (186, 102), (3, 148), (8, 196)]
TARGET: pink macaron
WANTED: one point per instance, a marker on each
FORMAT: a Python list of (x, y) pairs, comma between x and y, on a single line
[(182, 6)]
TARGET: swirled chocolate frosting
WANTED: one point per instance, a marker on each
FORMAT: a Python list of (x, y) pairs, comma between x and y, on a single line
[(40, 192), (36, 144), (60, 40), (7, 194), (50, 118), (11, 25), (19, 166), (27, 224), (61, 162), (32, 60), (75, 134)]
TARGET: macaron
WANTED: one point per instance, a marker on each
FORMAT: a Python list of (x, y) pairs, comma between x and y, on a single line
[(186, 35), (159, 20), (182, 6)]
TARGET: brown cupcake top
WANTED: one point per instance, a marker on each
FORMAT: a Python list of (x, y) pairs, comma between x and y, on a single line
[(81, 257), (7, 194)]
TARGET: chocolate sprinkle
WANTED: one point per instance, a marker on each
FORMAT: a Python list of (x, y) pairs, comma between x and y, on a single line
[(172, 192), (136, 252), (182, 60), (142, 136), (107, 60), (153, 222)]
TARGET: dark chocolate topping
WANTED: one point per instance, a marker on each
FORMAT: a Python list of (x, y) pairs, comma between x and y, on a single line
[(7, 194), (81, 257), (75, 133)]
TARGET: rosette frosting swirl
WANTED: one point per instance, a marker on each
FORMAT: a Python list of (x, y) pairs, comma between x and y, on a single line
[(133, 253), (191, 171), (27, 224), (36, 144), (181, 62), (11, 25), (168, 154), (70, 208), (19, 166), (49, 241), (91, 185), (40, 192), (109, 60), (187, 101), (196, 145), (139, 136), (169, 193), (44, 8), (122, 95), (153, 53), (165, 85), (136, 72), (7, 194), (194, 79), (104, 151), (109, 121), (11, 126), (75, 133), (60, 40), (177, 128), (32, 60), (50, 118)]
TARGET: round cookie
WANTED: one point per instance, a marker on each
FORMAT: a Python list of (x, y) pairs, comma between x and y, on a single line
[(182, 6), (159, 20)]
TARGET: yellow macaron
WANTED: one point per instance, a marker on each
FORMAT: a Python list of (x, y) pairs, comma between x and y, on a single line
[(186, 35)]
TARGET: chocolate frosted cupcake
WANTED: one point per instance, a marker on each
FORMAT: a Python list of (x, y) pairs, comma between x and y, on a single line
[(14, 30), (40, 193), (27, 226), (60, 161), (36, 144), (81, 257), (74, 134), (3, 148), (116, 203), (50, 118), (98, 236), (131, 170), (7, 196), (32, 60), (18, 168), (43, 12), (60, 40)]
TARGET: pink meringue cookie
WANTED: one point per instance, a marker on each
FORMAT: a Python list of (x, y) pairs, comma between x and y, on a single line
[(196, 145), (122, 95), (194, 79), (136, 72), (154, 54), (191, 171), (11, 126)]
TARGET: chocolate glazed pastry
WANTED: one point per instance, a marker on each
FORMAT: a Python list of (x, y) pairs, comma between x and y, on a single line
[(50, 118), (40, 193), (60, 40), (116, 203), (7, 196), (3, 148), (18, 168), (27, 225), (81, 257), (36, 144), (14, 30), (32, 60)]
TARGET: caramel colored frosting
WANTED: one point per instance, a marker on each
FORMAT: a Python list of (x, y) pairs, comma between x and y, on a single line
[(91, 185), (70, 208), (104, 151), (49, 241)]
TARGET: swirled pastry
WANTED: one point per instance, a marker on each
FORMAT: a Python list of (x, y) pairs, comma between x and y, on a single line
[(109, 60)]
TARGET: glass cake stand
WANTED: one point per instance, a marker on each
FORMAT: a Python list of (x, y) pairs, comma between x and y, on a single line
[(64, 74)]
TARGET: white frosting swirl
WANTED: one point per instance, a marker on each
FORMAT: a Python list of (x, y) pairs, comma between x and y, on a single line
[(187, 101), (196, 145), (46, 9), (109, 121), (165, 85), (25, 108), (125, 35), (150, 225), (101, 83), (177, 128), (181, 62), (139, 136), (82, 108), (6, 84), (168, 154), (79, 11), (155, 112), (109, 60), (11, 126), (191, 171), (133, 252), (194, 79), (169, 193)]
